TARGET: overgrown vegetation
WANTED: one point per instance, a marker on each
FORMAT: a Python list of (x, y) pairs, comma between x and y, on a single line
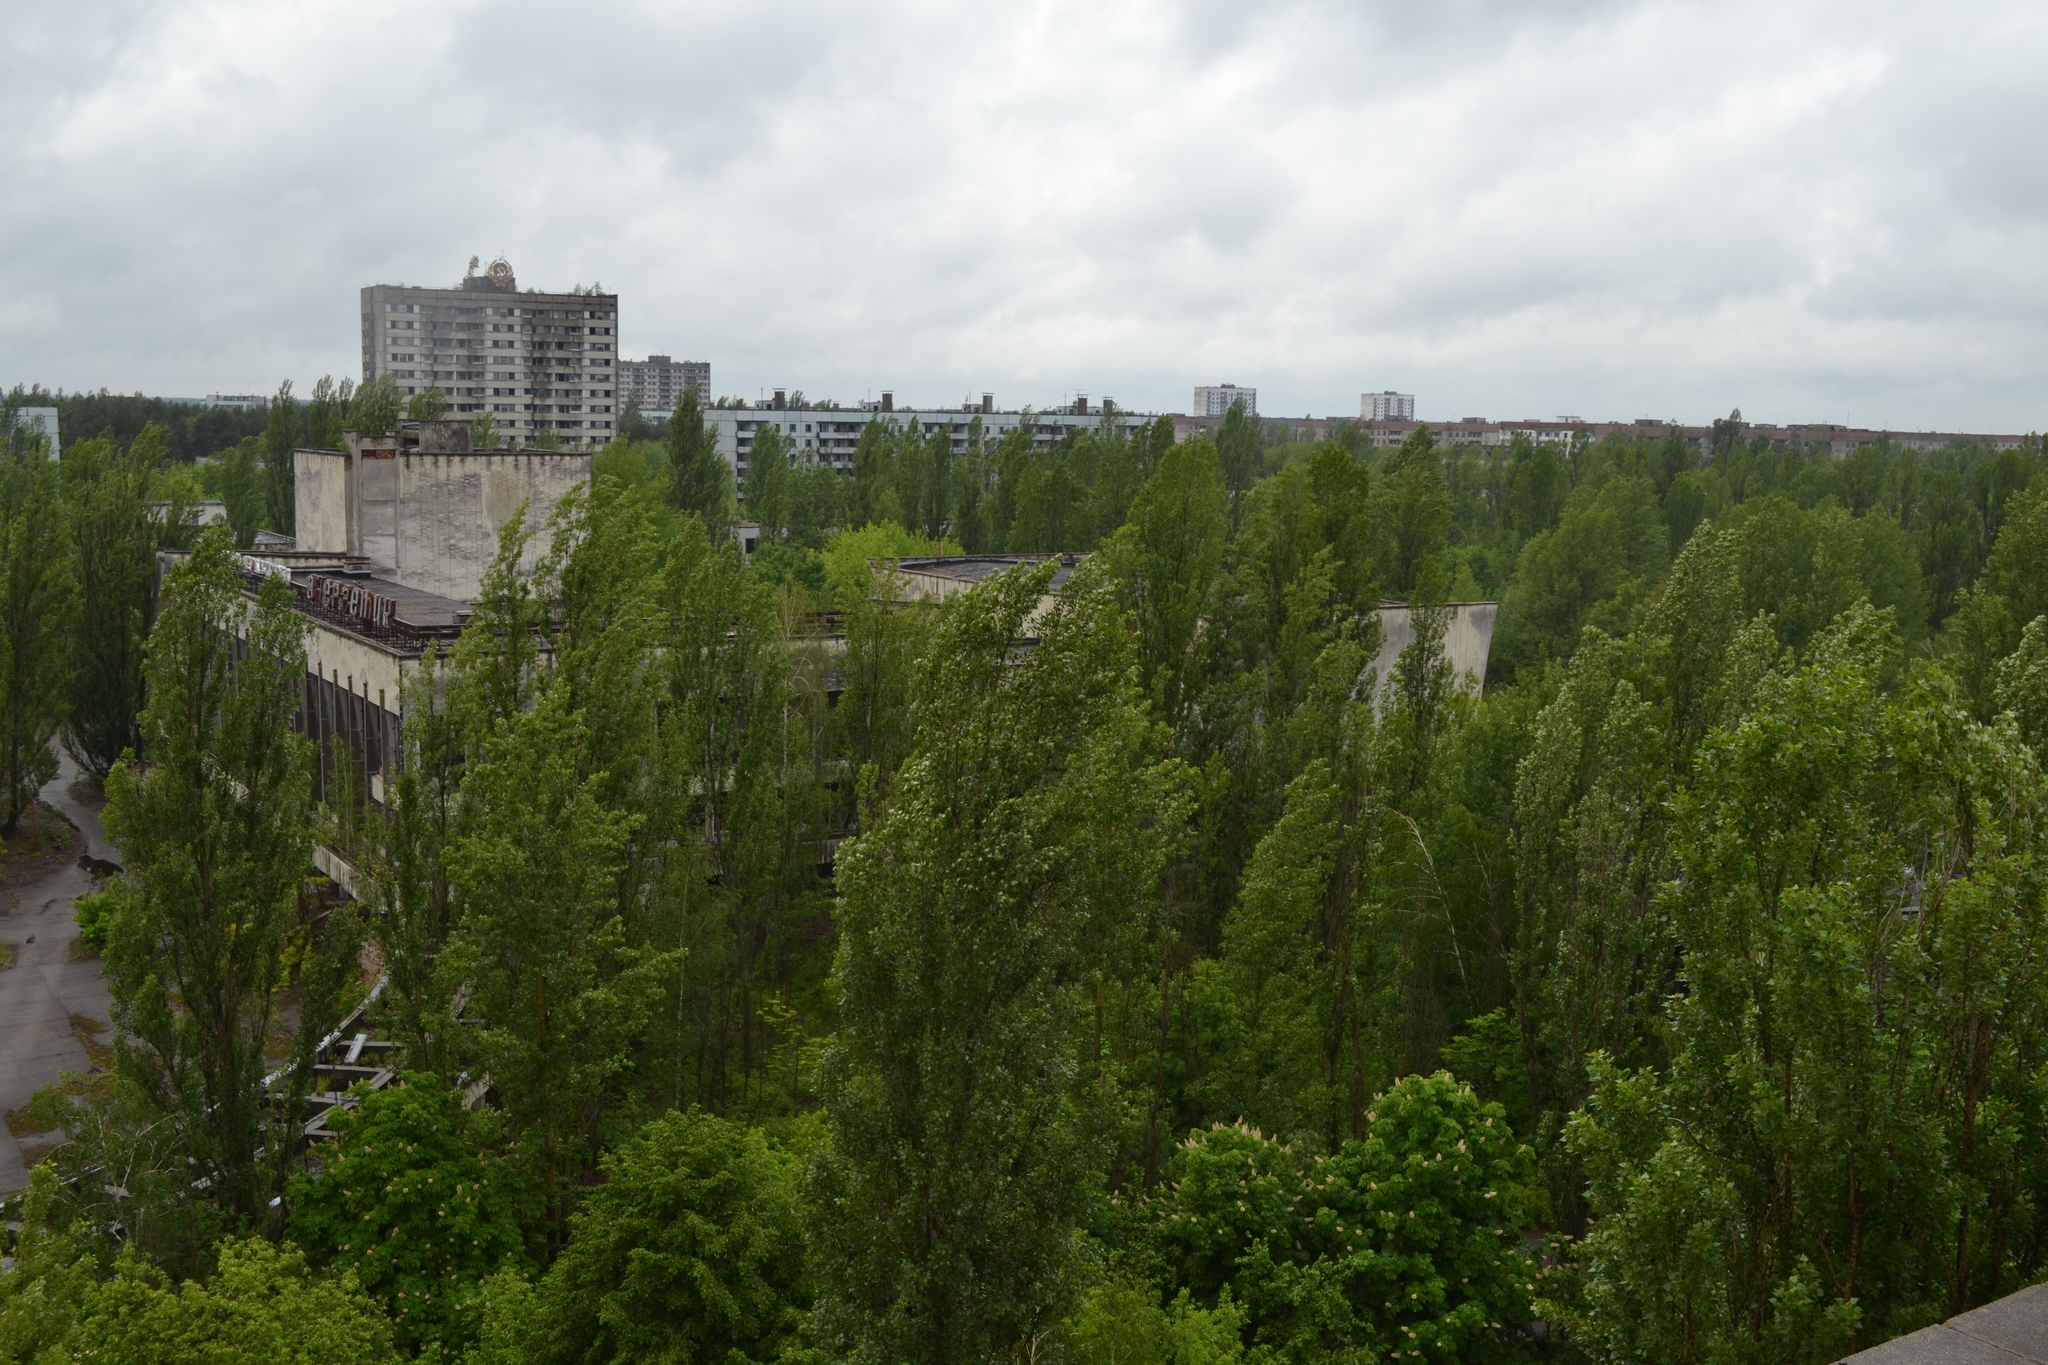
[(854, 981)]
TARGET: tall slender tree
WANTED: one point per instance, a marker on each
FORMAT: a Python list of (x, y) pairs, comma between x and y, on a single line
[(214, 826), (36, 594), (108, 496), (700, 480), (280, 439)]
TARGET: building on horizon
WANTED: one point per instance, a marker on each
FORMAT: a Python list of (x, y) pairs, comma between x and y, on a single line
[(659, 382), (1386, 406), (1214, 400), (37, 422), (536, 362)]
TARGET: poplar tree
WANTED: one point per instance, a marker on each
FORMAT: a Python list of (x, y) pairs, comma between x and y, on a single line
[(213, 824), (108, 496), (36, 601), (280, 439), (700, 480), (961, 1161)]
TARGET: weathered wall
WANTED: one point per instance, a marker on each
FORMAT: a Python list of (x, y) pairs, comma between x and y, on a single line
[(320, 500), (1467, 640), (450, 509)]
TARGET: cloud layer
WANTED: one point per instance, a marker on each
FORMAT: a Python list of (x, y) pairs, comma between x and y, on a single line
[(1815, 211)]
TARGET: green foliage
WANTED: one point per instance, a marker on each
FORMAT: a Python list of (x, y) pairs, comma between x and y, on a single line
[(108, 496), (847, 553), (700, 480), (1844, 1144), (427, 405), (960, 1162), (50, 1284), (263, 1306), (1121, 1323), (417, 1213), (327, 411), (280, 438), (692, 1249), (1408, 1240), (38, 582), (373, 408), (214, 832)]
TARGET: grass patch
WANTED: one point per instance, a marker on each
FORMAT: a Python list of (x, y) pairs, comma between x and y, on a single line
[(87, 1031), (82, 951), (7, 956)]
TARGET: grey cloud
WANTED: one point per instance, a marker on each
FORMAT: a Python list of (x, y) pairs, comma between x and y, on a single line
[(1613, 207)]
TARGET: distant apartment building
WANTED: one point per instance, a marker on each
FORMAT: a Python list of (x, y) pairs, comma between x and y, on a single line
[(240, 402), (1386, 406), (37, 422), (1214, 400), (659, 382), (536, 362), (830, 435)]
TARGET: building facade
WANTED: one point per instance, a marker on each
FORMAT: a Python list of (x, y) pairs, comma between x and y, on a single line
[(659, 382), (1214, 400), (1386, 406), (535, 362), (831, 434)]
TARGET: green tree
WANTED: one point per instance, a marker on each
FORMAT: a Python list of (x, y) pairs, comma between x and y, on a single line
[(1168, 558), (1411, 511), (427, 405), (700, 480), (215, 832), (691, 1249), (1409, 1240), (263, 1306), (327, 410), (414, 1209), (37, 592), (769, 478), (1239, 447), (373, 408), (235, 476), (280, 438), (960, 1164), (108, 494), (1842, 1147)]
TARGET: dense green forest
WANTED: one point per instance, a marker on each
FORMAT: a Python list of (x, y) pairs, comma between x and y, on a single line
[(1140, 979)]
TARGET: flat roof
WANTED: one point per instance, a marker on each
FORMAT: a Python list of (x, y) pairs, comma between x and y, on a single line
[(415, 609), (974, 568)]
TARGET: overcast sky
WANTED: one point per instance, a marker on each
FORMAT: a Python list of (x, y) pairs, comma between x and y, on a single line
[(1816, 212)]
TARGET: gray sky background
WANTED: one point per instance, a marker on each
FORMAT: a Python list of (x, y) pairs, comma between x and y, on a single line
[(1815, 211)]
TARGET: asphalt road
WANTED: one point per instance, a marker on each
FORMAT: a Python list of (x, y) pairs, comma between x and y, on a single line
[(44, 988)]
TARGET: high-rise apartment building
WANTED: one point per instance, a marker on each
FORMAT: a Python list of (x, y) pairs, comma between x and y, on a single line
[(536, 362), (658, 382), (1386, 406), (1214, 400)]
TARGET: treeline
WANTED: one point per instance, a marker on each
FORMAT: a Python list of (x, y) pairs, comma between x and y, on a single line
[(1174, 989)]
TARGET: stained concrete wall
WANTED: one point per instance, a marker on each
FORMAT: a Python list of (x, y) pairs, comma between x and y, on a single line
[(320, 500), (1467, 641), (429, 521), (451, 507)]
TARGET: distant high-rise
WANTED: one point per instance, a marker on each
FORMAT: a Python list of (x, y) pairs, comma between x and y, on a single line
[(536, 362), (658, 382), (1386, 406), (1214, 400)]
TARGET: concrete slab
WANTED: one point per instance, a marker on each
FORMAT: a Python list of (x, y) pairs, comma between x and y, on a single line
[(2010, 1331), (40, 993)]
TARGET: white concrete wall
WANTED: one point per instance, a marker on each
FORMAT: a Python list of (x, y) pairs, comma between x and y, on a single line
[(320, 500), (450, 509), (1467, 641)]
